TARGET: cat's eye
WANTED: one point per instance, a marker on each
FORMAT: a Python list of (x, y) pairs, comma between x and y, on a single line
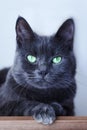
[(31, 59), (57, 59)]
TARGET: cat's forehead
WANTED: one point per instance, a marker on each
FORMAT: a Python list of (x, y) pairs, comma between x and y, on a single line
[(44, 45)]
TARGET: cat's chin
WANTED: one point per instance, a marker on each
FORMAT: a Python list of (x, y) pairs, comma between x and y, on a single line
[(41, 85)]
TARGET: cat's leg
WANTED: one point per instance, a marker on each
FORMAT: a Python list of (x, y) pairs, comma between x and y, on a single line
[(41, 112), (59, 110), (64, 109), (44, 113), (47, 114)]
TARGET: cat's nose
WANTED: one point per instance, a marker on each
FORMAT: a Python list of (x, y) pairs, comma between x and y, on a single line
[(42, 70), (42, 73)]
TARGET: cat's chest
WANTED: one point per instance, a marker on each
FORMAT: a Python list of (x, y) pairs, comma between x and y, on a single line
[(41, 95), (47, 96)]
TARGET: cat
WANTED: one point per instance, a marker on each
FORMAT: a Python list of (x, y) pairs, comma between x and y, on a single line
[(41, 82)]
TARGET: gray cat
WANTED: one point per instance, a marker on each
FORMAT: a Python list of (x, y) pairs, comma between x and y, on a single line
[(41, 81)]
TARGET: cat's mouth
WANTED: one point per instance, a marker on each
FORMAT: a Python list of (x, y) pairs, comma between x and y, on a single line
[(40, 83)]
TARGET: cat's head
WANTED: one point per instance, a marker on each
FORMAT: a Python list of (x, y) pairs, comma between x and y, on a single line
[(41, 61)]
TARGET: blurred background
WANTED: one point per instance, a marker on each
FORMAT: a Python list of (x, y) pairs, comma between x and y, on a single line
[(45, 17)]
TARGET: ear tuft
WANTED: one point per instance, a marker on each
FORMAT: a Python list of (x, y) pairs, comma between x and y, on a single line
[(66, 31), (23, 30)]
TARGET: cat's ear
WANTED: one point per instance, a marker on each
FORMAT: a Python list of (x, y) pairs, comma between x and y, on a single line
[(23, 31), (66, 31)]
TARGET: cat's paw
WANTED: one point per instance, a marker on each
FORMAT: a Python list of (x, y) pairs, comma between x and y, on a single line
[(44, 114)]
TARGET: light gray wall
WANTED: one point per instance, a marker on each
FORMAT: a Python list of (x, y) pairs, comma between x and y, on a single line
[(45, 17)]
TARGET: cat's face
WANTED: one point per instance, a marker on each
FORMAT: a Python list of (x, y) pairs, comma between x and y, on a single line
[(44, 62)]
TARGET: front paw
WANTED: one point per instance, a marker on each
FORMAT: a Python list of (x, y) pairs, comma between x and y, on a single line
[(44, 114)]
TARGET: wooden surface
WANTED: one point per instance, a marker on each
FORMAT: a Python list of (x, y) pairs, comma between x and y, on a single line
[(27, 123)]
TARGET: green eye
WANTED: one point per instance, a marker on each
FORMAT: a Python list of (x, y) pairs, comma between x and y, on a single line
[(57, 60), (31, 59)]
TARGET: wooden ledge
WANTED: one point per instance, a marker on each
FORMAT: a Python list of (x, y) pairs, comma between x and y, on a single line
[(27, 123)]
